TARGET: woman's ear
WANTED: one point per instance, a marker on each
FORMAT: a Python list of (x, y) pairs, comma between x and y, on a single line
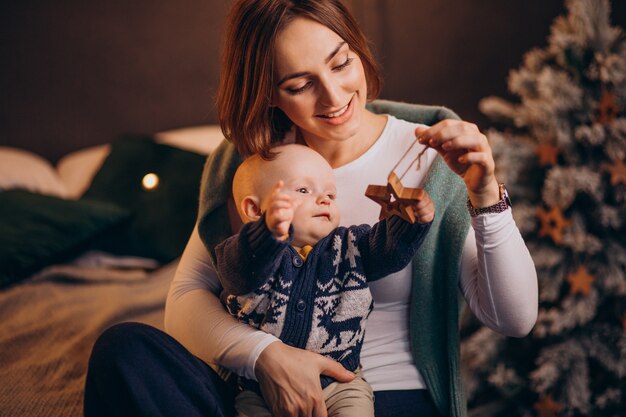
[(251, 208)]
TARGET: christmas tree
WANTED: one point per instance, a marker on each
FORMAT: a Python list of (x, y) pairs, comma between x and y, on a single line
[(561, 150)]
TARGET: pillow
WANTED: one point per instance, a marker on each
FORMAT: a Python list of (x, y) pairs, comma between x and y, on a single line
[(25, 170), (164, 215), (77, 169), (38, 230), (199, 139)]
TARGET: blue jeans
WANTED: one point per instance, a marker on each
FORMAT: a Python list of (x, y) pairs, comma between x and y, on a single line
[(138, 370), (407, 403)]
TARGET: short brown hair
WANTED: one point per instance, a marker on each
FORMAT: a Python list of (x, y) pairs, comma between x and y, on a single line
[(246, 76)]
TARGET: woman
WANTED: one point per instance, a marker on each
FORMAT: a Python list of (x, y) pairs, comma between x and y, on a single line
[(301, 71)]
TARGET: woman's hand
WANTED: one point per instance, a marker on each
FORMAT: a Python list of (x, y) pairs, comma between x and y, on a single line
[(466, 151), (290, 380)]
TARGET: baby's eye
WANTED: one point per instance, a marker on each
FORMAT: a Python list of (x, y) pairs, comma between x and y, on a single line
[(302, 190), (332, 196)]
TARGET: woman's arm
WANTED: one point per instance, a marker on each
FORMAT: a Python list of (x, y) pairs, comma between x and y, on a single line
[(195, 316), (498, 276)]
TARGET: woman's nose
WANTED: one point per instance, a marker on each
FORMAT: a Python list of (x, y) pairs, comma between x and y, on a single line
[(330, 93)]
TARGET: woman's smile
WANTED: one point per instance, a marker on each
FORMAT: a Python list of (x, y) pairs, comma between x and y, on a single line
[(340, 116), (322, 86)]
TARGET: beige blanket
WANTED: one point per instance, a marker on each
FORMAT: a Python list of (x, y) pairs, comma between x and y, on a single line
[(49, 323)]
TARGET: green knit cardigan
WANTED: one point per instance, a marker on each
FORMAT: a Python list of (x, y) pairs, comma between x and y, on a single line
[(434, 310)]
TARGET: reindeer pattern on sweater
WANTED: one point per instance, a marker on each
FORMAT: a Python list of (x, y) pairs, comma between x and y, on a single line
[(321, 303)]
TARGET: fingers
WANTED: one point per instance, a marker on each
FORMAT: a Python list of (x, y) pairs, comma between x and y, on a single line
[(424, 209), (290, 380), (465, 150), (465, 135), (279, 213), (277, 192), (453, 138), (335, 370), (479, 158), (281, 198), (319, 407)]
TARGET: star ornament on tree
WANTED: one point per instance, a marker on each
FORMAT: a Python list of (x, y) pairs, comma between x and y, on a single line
[(394, 198), (607, 108), (547, 154), (552, 223), (618, 172), (580, 281), (547, 407)]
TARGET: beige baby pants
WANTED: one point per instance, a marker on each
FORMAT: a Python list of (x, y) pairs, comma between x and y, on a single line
[(343, 399)]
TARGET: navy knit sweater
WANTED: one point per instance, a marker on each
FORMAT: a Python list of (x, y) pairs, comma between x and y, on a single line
[(319, 304), (434, 305)]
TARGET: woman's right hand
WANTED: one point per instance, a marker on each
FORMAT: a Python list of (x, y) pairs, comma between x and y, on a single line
[(290, 380)]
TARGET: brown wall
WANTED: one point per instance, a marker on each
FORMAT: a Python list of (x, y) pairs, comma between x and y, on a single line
[(76, 73)]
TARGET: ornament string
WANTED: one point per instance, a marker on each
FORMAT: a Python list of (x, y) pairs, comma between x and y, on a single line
[(417, 159)]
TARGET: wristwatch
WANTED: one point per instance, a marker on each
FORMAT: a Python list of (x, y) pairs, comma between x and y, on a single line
[(499, 207)]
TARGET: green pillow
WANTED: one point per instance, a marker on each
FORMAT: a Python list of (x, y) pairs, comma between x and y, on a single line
[(163, 217), (38, 230)]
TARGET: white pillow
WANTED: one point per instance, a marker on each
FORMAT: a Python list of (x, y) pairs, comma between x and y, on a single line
[(199, 139), (22, 169), (77, 169)]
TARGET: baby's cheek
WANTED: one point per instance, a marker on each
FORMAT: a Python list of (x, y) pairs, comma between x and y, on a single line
[(336, 217)]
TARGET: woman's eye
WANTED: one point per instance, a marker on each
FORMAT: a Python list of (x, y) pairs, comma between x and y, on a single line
[(347, 62), (294, 91)]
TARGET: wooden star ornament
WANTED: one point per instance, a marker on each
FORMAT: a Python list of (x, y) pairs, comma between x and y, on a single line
[(608, 109), (547, 154), (580, 281), (547, 407), (552, 223), (618, 172), (394, 198)]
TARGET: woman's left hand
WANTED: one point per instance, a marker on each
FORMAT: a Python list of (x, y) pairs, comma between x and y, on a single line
[(467, 152)]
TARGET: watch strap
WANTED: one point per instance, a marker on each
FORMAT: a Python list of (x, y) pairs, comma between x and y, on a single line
[(499, 207)]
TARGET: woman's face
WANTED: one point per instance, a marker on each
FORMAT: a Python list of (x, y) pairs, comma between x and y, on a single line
[(320, 81)]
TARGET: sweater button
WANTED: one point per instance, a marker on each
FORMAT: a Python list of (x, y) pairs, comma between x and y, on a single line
[(300, 305), (297, 261)]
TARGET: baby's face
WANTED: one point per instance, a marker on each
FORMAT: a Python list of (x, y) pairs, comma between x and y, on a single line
[(310, 182)]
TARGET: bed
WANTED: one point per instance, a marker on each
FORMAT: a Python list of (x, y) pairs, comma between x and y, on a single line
[(80, 251)]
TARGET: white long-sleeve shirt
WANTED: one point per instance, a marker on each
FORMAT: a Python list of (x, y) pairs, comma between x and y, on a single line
[(497, 278)]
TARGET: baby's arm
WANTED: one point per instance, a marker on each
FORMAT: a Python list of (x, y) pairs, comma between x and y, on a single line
[(391, 243), (245, 261)]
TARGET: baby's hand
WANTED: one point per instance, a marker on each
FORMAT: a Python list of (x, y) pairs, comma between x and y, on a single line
[(280, 211), (424, 209)]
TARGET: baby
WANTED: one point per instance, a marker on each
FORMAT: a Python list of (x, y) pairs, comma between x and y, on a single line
[(293, 272)]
